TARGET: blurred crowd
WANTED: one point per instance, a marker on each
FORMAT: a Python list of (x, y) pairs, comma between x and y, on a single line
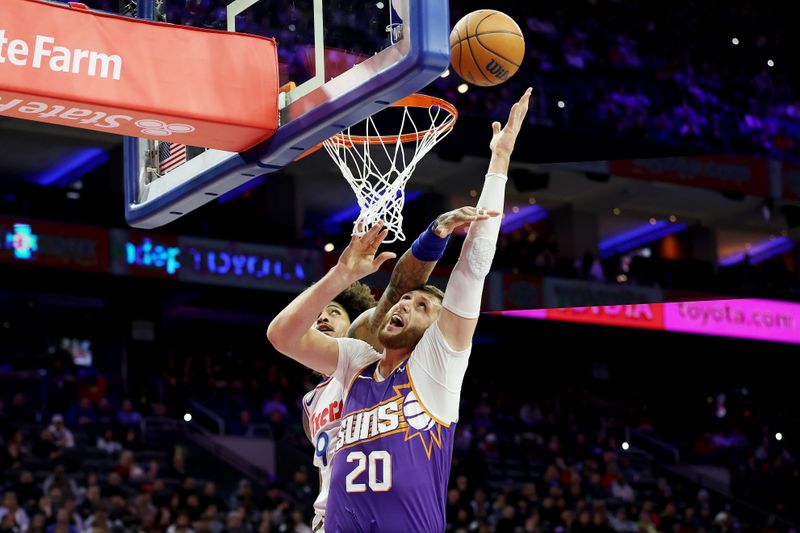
[(711, 80), (523, 462)]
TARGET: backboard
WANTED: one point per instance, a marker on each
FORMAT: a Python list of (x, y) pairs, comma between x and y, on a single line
[(344, 60)]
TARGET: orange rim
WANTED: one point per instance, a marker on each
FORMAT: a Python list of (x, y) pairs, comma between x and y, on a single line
[(415, 100), (423, 101)]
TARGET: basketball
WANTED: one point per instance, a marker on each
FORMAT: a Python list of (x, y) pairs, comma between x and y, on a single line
[(486, 47)]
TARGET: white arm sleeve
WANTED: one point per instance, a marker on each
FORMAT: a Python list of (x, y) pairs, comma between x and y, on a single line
[(354, 354), (465, 286), (437, 372)]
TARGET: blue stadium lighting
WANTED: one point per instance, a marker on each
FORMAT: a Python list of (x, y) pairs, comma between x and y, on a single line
[(761, 252), (526, 215), (76, 165), (350, 214), (636, 237), (23, 241)]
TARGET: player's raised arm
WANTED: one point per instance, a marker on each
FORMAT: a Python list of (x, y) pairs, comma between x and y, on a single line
[(291, 333), (462, 299), (413, 270)]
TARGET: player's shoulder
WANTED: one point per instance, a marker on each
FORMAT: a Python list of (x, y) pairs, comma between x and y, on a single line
[(356, 351), (433, 341), (328, 385), (351, 344)]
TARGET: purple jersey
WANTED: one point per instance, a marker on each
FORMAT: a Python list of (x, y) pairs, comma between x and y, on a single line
[(392, 462)]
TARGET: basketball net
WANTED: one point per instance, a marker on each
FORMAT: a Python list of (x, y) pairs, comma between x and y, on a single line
[(377, 166)]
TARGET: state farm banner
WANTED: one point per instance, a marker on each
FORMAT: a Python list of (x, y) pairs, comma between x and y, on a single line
[(79, 68), (719, 172)]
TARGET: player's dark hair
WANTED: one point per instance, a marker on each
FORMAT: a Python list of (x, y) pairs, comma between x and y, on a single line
[(356, 299)]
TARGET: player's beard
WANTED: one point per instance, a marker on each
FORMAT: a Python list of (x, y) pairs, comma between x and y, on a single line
[(407, 338)]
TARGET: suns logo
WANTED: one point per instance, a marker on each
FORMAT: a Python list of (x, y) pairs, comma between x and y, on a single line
[(402, 413), (415, 415)]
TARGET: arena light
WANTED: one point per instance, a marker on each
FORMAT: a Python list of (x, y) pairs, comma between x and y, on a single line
[(735, 41), (187, 417), (528, 214), (638, 236), (463, 88), (561, 104), (71, 168), (760, 252), (445, 73), (626, 446), (328, 247), (770, 63), (779, 436)]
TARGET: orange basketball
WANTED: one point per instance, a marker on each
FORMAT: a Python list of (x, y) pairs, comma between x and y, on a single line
[(486, 47)]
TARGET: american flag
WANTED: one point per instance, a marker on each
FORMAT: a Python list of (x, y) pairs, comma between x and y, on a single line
[(170, 155)]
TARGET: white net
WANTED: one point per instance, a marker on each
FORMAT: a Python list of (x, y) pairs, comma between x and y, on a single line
[(377, 167)]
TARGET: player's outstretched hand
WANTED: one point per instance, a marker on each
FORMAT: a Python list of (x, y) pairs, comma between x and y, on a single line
[(503, 140), (358, 259), (448, 222)]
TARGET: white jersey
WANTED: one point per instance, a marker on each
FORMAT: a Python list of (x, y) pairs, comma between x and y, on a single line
[(323, 407)]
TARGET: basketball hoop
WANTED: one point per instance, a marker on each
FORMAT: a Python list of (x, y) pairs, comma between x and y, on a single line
[(380, 185)]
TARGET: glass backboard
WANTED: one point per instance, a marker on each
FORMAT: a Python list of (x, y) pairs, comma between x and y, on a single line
[(340, 61)]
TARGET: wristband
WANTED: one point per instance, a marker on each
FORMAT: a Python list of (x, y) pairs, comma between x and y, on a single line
[(429, 247)]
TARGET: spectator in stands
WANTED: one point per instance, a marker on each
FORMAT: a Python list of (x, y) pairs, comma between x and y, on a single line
[(104, 412), (127, 417), (66, 520), (38, 523), (621, 489), (27, 490), (114, 486), (131, 440), (82, 414), (61, 435), (235, 522), (12, 515), (58, 479), (108, 443), (275, 403), (177, 469), (127, 468), (243, 497), (243, 426), (11, 456), (99, 521), (210, 496), (19, 412)]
